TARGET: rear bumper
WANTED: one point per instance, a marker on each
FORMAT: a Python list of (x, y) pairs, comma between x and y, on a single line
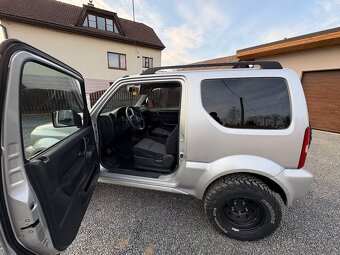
[(295, 183)]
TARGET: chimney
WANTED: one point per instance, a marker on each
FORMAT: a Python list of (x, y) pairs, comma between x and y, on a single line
[(90, 3)]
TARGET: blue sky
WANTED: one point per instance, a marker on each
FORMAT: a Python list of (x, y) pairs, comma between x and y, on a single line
[(195, 30)]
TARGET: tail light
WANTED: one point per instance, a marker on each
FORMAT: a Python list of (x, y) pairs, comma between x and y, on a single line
[(304, 149)]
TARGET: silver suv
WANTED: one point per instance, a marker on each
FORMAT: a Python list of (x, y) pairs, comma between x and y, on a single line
[(236, 138)]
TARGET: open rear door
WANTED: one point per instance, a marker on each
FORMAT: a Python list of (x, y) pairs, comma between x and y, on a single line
[(49, 164)]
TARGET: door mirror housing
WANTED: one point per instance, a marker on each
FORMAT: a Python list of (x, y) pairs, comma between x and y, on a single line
[(134, 90), (66, 118)]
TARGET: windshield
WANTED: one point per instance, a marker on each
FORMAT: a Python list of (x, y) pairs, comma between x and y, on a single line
[(127, 95)]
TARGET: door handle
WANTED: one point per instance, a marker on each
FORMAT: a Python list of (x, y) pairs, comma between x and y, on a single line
[(85, 144)]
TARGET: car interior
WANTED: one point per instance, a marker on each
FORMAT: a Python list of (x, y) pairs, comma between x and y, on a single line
[(139, 130)]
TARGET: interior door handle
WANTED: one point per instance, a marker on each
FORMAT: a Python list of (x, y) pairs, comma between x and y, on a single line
[(85, 144)]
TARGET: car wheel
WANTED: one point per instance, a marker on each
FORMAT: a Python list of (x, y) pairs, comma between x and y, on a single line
[(243, 207)]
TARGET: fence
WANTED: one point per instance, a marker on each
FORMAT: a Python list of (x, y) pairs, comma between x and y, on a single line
[(94, 96), (39, 101), (122, 98)]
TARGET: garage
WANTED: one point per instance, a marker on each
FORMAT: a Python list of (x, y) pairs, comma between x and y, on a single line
[(322, 90), (314, 58)]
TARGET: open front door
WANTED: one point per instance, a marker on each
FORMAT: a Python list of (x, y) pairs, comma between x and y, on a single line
[(49, 164)]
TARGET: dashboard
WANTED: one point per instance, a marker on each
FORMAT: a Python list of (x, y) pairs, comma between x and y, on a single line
[(113, 124)]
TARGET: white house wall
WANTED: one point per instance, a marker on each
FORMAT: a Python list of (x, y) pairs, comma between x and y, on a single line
[(86, 54), (309, 60)]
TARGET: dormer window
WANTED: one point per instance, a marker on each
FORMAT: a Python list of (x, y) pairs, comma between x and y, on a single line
[(101, 23)]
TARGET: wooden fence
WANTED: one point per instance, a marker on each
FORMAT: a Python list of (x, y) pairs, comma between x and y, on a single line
[(39, 101), (94, 96), (121, 98)]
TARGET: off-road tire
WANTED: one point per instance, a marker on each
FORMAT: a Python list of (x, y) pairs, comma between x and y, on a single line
[(241, 195)]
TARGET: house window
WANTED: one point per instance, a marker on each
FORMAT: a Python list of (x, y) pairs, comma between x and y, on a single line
[(109, 25), (147, 62), (100, 23), (116, 60), (92, 21)]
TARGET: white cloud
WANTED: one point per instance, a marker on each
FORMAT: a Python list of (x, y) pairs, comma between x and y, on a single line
[(98, 3), (325, 15), (199, 17), (329, 5)]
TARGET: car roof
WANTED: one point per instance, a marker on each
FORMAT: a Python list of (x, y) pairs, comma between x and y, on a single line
[(216, 72)]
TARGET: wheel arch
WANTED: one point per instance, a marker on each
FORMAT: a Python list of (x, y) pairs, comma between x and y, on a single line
[(268, 181)]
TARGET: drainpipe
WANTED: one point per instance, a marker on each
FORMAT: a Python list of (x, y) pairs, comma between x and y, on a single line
[(4, 30)]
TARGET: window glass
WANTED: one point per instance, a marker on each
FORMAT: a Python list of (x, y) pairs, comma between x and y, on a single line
[(43, 91), (165, 98), (117, 60), (122, 98), (113, 60), (256, 103), (122, 61), (92, 21), (85, 22), (147, 62), (101, 23), (115, 29), (109, 25)]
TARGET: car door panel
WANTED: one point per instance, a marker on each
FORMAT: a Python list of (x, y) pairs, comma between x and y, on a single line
[(55, 186), (64, 200), (164, 117)]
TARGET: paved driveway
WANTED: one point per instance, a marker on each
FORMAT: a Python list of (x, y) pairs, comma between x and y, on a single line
[(122, 220)]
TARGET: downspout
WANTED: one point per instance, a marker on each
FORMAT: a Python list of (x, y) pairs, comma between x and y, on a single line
[(4, 30)]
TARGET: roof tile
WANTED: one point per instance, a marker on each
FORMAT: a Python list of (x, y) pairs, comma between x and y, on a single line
[(60, 15)]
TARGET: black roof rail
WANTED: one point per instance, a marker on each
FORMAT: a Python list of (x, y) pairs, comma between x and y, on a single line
[(243, 64)]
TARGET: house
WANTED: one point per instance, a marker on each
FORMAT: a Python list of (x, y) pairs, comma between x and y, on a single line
[(95, 42), (220, 60), (315, 58)]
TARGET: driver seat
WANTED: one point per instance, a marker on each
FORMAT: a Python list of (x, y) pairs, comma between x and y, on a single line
[(153, 155)]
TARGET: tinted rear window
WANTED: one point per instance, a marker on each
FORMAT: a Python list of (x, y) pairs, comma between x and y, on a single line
[(255, 103)]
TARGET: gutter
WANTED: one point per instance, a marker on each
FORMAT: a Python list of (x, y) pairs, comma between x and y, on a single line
[(77, 30)]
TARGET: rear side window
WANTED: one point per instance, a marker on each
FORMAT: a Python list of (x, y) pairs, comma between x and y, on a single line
[(253, 103), (165, 98)]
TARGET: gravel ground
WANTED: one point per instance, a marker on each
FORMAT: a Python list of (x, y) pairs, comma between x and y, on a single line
[(122, 220)]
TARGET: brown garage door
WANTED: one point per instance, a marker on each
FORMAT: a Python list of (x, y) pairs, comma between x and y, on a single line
[(322, 90)]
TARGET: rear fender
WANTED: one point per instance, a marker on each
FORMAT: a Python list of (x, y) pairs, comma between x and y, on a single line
[(201, 175)]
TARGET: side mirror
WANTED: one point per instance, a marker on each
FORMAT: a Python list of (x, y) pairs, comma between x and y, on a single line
[(134, 91), (150, 103), (66, 118)]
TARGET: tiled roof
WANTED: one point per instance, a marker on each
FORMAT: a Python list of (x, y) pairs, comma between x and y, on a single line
[(215, 61), (325, 38), (219, 60), (62, 16)]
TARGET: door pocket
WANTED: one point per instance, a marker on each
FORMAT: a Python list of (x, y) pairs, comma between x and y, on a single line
[(72, 177)]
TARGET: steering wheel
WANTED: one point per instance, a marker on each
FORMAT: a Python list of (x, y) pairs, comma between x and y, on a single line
[(135, 118)]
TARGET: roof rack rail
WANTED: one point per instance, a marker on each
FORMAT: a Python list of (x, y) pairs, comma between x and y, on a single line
[(243, 64)]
